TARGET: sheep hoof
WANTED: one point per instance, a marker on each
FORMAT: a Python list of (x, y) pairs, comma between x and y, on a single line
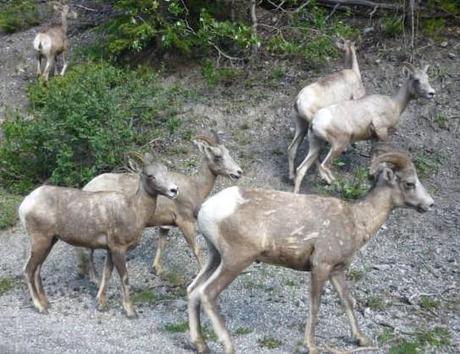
[(101, 307), (201, 347), (131, 314), (363, 341)]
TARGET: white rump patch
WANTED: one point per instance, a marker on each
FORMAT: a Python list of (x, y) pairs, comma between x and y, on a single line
[(217, 208), (28, 204)]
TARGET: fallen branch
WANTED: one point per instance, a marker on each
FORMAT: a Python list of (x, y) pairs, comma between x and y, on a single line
[(362, 3), (86, 8)]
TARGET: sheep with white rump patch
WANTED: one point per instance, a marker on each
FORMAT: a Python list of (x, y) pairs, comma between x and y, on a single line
[(106, 220), (369, 117), (303, 232), (53, 42), (340, 86)]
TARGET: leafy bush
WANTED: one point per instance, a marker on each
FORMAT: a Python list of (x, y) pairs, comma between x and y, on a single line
[(17, 14), (308, 35), (392, 26), (352, 188), (171, 25), (83, 124), (8, 205)]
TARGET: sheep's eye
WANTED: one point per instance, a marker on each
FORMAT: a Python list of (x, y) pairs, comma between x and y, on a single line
[(151, 176), (217, 158), (409, 185)]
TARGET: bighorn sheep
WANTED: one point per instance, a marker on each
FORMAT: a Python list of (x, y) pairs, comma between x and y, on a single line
[(53, 42), (303, 232), (369, 117), (107, 220), (182, 211), (340, 86)]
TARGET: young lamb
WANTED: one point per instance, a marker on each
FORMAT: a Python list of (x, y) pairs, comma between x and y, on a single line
[(53, 42), (180, 212), (106, 220), (369, 117), (303, 232), (340, 86)]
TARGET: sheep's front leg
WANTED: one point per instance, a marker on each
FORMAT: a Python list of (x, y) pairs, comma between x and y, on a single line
[(340, 284), (318, 277), (119, 259), (107, 273), (189, 231), (162, 241)]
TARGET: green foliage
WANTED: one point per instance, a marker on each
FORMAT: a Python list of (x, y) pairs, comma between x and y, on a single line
[(309, 36), (242, 331), (170, 25), (434, 27), (144, 296), (451, 7), (355, 274), (434, 338), (352, 188), (427, 164), (428, 303), (16, 15), (442, 121), (8, 208), (83, 124), (6, 284), (375, 303), (180, 327), (386, 335), (392, 26), (214, 75), (269, 342)]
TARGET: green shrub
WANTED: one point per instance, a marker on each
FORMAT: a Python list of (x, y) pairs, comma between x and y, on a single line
[(214, 75), (83, 124), (6, 284), (392, 26), (16, 15), (8, 209), (171, 25), (352, 188), (308, 35)]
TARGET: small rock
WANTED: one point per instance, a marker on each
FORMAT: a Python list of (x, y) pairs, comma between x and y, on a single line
[(451, 55), (444, 44)]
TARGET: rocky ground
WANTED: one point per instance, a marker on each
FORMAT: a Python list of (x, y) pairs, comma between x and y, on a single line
[(406, 280)]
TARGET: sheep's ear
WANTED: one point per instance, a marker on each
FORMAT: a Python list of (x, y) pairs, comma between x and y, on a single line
[(201, 145), (410, 67), (340, 43), (425, 69), (134, 165), (148, 158), (388, 175)]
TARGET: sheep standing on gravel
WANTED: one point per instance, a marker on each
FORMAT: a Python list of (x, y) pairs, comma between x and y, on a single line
[(106, 220), (303, 232)]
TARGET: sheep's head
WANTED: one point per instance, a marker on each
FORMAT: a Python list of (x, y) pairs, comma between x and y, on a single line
[(65, 10), (218, 158), (419, 83), (345, 45), (154, 176), (396, 170)]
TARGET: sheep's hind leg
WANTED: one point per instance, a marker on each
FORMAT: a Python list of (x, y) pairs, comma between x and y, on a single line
[(340, 284), (162, 241), (39, 251), (301, 127), (119, 259), (209, 291), (312, 156), (325, 167), (194, 301), (106, 274)]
